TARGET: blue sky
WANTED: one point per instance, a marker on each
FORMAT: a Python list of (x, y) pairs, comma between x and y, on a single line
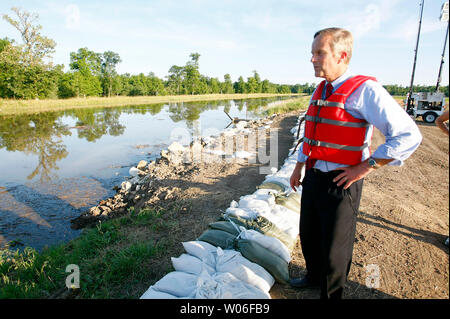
[(239, 36)]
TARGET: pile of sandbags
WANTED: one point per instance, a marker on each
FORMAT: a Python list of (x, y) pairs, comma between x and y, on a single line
[(206, 271), (243, 253)]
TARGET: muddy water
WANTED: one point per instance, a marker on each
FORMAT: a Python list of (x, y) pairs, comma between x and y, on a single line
[(54, 166)]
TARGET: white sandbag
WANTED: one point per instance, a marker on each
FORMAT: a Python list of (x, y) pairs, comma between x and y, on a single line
[(271, 243), (233, 262), (286, 171), (285, 219), (202, 250), (177, 283), (191, 264), (226, 286), (154, 294), (255, 205), (262, 194), (279, 179), (243, 213)]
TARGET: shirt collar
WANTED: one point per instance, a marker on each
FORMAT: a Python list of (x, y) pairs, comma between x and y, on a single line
[(338, 82)]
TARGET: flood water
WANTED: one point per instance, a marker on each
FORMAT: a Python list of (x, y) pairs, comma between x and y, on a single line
[(56, 165)]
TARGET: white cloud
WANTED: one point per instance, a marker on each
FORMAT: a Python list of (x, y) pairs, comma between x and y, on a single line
[(72, 12), (407, 31), (362, 21)]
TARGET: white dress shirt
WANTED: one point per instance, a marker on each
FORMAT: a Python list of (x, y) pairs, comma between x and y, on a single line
[(371, 102)]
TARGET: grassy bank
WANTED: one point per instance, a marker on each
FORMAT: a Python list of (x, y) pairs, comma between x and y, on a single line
[(8, 107), (114, 260), (285, 106)]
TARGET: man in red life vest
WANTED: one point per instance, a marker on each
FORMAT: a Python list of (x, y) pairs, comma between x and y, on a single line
[(336, 155)]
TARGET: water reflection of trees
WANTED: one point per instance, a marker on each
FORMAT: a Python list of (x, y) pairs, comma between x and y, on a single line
[(41, 134), (94, 124)]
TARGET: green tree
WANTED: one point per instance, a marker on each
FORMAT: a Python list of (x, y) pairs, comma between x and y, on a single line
[(239, 86), (108, 61), (215, 86), (257, 81), (36, 46), (175, 79), (25, 71), (191, 81), (155, 85), (87, 65), (267, 87), (138, 85), (284, 89), (227, 86), (252, 85)]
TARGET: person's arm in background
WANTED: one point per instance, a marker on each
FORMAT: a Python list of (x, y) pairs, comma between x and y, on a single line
[(440, 122)]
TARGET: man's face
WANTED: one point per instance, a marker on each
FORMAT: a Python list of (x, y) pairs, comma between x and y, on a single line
[(326, 64)]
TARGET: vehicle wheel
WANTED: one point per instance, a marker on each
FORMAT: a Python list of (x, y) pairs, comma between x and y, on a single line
[(429, 117)]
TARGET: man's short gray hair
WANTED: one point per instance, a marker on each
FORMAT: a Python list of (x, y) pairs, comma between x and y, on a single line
[(342, 40)]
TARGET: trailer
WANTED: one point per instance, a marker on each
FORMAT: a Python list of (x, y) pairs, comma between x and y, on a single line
[(428, 105)]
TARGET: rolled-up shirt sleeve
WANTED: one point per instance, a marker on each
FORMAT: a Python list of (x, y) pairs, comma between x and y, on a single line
[(300, 156)]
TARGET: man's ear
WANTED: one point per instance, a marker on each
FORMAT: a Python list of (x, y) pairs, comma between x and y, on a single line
[(343, 57)]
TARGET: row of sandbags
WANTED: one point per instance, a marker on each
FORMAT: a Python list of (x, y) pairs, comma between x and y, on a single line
[(241, 255)]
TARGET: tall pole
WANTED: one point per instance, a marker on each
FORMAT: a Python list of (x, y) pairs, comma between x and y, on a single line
[(444, 18), (442, 59), (415, 57)]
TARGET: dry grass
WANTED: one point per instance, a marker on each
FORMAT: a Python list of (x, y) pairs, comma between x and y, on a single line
[(10, 107)]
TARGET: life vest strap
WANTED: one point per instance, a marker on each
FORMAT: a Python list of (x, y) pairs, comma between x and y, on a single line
[(327, 103), (336, 146), (318, 119)]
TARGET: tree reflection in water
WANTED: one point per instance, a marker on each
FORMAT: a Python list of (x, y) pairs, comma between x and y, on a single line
[(42, 134), (38, 134)]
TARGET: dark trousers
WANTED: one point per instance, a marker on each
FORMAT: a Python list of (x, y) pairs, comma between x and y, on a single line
[(327, 230)]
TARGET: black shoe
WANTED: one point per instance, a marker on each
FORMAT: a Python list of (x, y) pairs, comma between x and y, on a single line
[(303, 283)]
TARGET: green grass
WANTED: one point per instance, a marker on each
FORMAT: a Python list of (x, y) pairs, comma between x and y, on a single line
[(113, 258), (11, 107), (285, 106)]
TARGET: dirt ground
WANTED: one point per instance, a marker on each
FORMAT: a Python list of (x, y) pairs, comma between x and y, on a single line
[(399, 249)]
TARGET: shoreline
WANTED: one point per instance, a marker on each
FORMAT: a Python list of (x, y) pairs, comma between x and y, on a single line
[(16, 107)]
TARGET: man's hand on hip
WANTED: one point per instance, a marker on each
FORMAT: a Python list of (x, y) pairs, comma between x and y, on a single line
[(296, 176), (354, 173)]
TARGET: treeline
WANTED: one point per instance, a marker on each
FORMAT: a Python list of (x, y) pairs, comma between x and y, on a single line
[(27, 72), (402, 91)]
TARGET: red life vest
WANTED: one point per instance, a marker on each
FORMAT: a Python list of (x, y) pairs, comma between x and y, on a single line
[(331, 133)]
